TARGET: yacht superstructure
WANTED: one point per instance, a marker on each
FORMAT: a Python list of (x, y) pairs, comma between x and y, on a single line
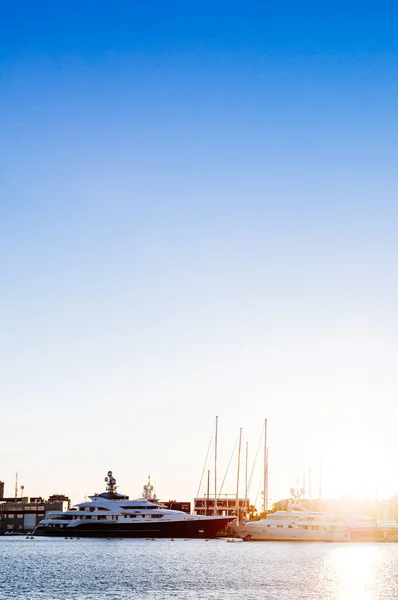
[(111, 514), (293, 525)]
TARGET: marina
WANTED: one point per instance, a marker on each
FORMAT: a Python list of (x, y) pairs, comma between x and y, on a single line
[(111, 514)]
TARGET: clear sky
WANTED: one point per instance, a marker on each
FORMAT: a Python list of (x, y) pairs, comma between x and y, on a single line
[(198, 217)]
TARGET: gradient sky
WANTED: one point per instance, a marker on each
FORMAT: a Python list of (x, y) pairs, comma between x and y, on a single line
[(198, 216)]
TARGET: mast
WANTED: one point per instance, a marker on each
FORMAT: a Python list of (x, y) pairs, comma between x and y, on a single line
[(266, 497), (208, 491), (215, 468), (16, 486), (247, 458), (265, 504), (320, 480), (237, 479)]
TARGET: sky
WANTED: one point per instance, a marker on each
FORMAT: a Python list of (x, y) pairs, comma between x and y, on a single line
[(198, 217)]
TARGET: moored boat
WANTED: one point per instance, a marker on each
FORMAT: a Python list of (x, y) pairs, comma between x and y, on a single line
[(111, 514), (292, 526)]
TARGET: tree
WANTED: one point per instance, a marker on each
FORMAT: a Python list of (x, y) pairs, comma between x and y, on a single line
[(251, 511)]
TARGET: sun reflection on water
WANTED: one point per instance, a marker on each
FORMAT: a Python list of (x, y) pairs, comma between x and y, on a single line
[(352, 570)]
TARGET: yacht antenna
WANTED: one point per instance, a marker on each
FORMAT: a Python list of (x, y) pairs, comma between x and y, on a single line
[(237, 479), (148, 489), (215, 468), (110, 483), (16, 486)]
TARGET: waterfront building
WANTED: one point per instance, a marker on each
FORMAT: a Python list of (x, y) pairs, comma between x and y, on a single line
[(222, 506), (23, 514)]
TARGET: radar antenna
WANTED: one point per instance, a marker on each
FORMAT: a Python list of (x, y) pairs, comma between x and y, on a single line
[(148, 490), (110, 483), (297, 493)]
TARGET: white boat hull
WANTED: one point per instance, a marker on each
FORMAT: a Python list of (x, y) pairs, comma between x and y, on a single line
[(251, 534)]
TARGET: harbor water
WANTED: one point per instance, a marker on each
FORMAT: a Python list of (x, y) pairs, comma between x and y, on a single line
[(96, 569)]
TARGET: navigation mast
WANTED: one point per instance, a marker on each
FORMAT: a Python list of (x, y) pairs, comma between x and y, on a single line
[(215, 467), (110, 483)]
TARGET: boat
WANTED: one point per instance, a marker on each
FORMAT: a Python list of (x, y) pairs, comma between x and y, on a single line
[(111, 514), (300, 524), (295, 524), (292, 525), (363, 528)]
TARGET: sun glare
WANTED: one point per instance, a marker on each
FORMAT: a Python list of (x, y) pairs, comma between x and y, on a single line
[(352, 571), (354, 465)]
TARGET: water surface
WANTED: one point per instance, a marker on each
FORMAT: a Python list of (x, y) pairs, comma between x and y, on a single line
[(58, 569)]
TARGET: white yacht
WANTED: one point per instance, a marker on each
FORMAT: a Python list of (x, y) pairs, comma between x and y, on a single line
[(293, 525), (363, 528), (111, 514)]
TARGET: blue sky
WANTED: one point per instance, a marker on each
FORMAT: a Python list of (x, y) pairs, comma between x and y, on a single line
[(198, 217)]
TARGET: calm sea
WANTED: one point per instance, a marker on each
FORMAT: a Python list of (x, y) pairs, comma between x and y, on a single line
[(58, 569)]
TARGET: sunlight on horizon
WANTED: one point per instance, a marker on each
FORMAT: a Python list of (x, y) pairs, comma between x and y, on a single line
[(355, 465)]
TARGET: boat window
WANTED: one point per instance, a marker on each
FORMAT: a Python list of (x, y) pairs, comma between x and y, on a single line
[(142, 507)]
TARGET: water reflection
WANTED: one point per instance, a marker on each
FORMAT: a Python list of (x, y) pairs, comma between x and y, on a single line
[(58, 569), (352, 572)]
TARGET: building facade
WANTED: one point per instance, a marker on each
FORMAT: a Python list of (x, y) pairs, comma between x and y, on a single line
[(22, 515), (224, 506)]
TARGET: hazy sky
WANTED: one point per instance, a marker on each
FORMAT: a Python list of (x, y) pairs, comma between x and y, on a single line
[(198, 217)]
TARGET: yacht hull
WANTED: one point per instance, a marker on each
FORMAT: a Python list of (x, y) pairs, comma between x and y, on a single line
[(290, 535), (190, 528)]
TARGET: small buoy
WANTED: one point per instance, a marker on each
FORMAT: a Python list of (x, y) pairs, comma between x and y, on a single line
[(120, 538), (171, 539), (31, 537), (27, 537), (152, 539), (206, 540), (147, 539), (66, 538)]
